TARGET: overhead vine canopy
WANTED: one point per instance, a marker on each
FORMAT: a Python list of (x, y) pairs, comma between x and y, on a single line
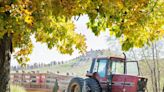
[(134, 22)]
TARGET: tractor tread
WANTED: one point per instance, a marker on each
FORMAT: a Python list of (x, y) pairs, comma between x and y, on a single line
[(93, 85), (77, 80)]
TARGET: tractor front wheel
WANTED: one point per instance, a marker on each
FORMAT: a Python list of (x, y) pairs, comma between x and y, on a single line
[(93, 85), (75, 85)]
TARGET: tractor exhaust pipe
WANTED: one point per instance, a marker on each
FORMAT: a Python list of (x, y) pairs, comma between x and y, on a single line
[(124, 63), (124, 55)]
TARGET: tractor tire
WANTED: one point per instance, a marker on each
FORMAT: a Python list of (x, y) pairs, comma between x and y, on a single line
[(93, 85), (75, 85)]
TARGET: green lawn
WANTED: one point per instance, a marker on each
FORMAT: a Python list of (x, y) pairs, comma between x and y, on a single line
[(15, 88)]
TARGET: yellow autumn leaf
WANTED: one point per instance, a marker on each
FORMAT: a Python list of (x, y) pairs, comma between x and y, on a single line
[(29, 19), (27, 12)]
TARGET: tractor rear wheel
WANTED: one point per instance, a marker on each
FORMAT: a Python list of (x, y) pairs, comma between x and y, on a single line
[(75, 85), (93, 85)]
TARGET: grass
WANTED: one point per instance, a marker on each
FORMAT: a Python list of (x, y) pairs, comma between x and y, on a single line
[(66, 68), (15, 88)]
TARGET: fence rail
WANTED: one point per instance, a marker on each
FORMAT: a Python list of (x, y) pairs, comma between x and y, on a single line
[(43, 81)]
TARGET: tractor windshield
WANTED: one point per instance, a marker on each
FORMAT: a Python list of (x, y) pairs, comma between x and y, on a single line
[(117, 67), (132, 68), (102, 68), (99, 66)]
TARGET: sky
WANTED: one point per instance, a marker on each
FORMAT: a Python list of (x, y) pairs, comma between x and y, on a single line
[(41, 54)]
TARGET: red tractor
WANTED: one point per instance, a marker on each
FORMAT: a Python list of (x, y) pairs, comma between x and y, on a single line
[(110, 74)]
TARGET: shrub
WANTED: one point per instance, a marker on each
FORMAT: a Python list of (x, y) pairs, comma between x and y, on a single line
[(15, 88), (67, 74), (56, 86)]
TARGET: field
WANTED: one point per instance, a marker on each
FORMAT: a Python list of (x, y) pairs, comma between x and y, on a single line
[(63, 69)]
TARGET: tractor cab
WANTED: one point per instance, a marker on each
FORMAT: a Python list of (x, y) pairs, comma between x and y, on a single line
[(116, 74), (112, 65)]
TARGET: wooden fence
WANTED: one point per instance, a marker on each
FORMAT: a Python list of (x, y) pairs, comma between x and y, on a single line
[(43, 81)]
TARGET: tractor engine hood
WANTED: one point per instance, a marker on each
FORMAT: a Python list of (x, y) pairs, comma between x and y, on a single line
[(128, 83)]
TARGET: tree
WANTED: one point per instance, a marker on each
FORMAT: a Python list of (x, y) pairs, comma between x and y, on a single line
[(19, 19), (134, 22), (154, 68)]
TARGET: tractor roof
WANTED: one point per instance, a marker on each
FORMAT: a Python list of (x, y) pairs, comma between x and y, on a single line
[(111, 58)]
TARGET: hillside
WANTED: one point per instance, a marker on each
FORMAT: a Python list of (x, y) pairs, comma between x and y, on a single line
[(77, 66)]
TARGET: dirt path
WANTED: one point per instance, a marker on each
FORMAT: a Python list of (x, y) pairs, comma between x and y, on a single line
[(37, 90)]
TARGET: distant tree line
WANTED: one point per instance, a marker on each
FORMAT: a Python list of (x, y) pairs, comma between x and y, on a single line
[(80, 59), (36, 65)]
